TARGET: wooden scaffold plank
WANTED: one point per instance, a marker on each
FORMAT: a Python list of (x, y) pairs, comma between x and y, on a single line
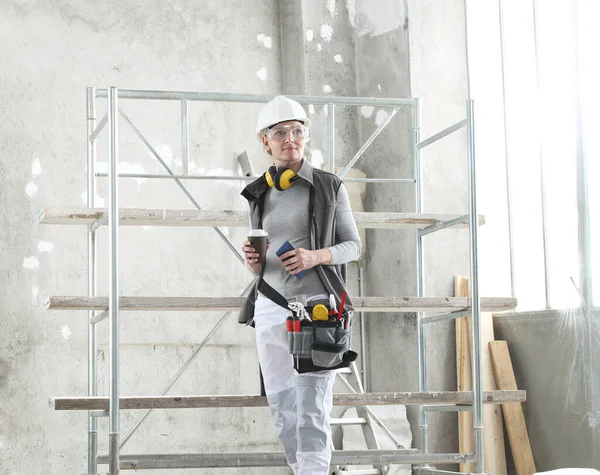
[(351, 399), (275, 459), (229, 218), (366, 304)]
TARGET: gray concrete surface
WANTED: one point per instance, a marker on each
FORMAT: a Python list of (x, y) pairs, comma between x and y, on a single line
[(57, 48)]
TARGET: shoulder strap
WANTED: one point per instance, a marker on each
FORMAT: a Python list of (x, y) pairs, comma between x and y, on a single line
[(272, 294)]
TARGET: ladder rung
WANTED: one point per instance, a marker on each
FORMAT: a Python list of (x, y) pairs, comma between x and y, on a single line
[(356, 399), (229, 218), (366, 304), (348, 421), (275, 459)]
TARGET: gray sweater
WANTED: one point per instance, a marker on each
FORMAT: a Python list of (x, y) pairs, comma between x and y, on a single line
[(285, 217)]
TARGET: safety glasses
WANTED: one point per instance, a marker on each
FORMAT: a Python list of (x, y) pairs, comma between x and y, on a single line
[(281, 133)]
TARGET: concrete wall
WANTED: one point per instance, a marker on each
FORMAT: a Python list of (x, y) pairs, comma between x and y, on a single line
[(56, 49)]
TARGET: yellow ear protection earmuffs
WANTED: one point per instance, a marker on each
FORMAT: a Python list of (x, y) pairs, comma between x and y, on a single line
[(281, 179)]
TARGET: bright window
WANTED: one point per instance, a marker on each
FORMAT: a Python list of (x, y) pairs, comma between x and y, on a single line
[(551, 107)]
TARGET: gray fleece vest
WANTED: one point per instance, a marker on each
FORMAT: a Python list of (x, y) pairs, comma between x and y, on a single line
[(322, 203)]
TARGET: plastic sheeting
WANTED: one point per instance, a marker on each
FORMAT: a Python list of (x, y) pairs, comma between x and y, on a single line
[(556, 359)]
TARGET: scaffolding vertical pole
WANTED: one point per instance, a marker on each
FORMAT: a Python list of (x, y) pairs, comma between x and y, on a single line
[(113, 283), (331, 137), (185, 144), (421, 335), (474, 292), (363, 327), (92, 287)]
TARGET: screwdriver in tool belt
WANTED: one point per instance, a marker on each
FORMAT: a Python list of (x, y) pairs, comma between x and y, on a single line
[(332, 310), (342, 305)]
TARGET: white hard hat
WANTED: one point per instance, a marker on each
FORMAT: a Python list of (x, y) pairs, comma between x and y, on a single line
[(279, 109)]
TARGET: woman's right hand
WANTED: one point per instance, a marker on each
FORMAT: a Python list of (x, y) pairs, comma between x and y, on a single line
[(251, 257)]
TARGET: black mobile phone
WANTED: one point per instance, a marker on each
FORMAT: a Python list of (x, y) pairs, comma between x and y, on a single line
[(285, 247)]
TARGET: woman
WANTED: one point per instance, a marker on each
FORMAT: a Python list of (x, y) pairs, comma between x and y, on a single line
[(310, 209)]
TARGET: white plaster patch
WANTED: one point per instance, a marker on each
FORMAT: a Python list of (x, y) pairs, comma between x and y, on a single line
[(381, 116), (375, 17), (35, 301), (267, 41), (98, 201), (31, 262), (331, 6), (325, 110), (379, 87), (338, 58), (220, 172), (309, 35), (326, 32), (262, 74), (351, 7), (319, 47), (31, 189), (367, 111), (326, 88), (66, 332), (311, 109), (317, 159), (45, 246), (36, 167), (165, 152)]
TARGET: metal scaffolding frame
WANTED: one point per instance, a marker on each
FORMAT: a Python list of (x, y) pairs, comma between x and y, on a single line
[(110, 121)]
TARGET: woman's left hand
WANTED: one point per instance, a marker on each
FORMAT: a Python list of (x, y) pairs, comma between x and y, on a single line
[(301, 259)]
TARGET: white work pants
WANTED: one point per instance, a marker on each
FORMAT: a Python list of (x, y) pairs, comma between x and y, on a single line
[(300, 403)]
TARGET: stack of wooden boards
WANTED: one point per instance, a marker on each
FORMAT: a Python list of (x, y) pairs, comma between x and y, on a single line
[(497, 374)]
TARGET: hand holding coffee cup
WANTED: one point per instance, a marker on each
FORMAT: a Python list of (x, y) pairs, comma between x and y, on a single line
[(255, 248)]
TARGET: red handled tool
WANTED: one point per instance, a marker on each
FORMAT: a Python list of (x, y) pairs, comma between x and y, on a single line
[(289, 325), (297, 327), (342, 305)]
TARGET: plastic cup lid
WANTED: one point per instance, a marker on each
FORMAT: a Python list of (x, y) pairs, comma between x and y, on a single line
[(257, 233)]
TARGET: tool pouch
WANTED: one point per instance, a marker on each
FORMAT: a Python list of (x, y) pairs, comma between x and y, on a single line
[(321, 345), (315, 345), (329, 343)]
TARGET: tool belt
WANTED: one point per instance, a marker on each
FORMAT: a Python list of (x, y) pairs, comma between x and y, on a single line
[(316, 345)]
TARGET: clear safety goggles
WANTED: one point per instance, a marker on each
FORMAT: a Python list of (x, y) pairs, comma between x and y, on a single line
[(281, 133)]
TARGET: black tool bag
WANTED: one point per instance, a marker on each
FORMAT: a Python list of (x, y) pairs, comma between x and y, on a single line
[(319, 345)]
